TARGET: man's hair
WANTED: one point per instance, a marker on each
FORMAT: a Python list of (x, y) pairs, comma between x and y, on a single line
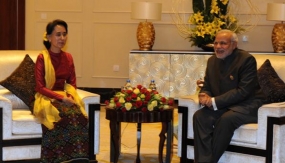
[(233, 34)]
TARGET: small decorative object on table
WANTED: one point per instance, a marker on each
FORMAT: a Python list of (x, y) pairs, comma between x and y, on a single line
[(139, 99), (140, 105)]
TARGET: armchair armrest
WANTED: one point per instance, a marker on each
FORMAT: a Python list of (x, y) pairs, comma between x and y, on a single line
[(187, 106), (92, 106), (191, 102), (266, 114), (88, 98), (6, 117)]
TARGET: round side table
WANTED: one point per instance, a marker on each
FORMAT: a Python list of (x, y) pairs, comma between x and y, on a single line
[(165, 117)]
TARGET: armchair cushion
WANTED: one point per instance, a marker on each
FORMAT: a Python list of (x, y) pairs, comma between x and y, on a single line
[(272, 85), (22, 81)]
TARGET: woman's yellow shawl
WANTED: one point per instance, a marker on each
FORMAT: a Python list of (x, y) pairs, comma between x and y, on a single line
[(44, 111)]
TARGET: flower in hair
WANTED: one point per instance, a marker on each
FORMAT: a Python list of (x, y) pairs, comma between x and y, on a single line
[(45, 36)]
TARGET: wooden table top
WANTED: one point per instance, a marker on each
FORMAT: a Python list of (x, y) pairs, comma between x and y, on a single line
[(139, 116)]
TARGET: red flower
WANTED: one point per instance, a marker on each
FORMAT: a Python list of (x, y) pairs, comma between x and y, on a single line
[(144, 91), (163, 99), (144, 109), (106, 102), (124, 109), (118, 104), (129, 92), (154, 92), (138, 104), (170, 102), (128, 99), (145, 103), (139, 87), (134, 96), (116, 99)]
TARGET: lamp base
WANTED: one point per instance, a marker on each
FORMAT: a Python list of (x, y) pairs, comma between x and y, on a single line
[(145, 35), (278, 38)]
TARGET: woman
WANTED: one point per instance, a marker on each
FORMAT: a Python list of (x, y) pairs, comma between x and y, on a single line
[(57, 105)]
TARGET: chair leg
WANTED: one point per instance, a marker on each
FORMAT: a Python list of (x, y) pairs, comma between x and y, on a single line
[(91, 117)]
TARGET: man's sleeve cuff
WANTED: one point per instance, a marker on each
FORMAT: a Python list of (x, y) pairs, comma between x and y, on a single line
[(214, 103)]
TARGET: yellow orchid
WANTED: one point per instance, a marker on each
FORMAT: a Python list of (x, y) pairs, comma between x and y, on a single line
[(225, 1), (209, 20)]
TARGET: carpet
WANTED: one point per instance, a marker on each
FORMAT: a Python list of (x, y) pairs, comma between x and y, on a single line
[(149, 142)]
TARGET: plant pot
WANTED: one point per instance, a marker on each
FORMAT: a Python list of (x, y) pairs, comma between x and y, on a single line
[(208, 47)]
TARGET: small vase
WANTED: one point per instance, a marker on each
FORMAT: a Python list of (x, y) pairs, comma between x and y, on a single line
[(208, 47)]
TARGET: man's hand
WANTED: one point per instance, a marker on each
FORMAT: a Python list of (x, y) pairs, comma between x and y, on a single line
[(205, 100)]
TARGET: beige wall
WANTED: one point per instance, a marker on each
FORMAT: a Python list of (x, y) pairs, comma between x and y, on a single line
[(101, 34)]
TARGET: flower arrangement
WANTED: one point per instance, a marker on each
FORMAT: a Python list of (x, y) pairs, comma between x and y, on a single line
[(139, 99), (210, 16)]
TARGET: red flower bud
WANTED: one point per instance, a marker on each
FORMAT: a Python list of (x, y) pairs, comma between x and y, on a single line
[(106, 102)]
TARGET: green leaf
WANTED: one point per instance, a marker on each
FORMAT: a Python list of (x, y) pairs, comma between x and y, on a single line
[(198, 6)]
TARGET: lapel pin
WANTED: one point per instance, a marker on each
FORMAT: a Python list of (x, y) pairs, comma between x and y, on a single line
[(231, 77)]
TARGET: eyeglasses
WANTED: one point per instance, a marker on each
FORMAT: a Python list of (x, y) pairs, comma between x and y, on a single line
[(222, 43)]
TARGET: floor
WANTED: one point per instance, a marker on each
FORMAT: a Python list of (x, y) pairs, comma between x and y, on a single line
[(149, 142)]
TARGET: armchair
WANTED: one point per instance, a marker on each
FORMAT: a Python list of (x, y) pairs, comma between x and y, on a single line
[(263, 142), (20, 134)]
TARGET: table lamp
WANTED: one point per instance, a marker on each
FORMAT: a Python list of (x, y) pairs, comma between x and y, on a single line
[(276, 12), (145, 31)]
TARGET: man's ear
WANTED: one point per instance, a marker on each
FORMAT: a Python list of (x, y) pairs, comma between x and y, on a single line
[(235, 44)]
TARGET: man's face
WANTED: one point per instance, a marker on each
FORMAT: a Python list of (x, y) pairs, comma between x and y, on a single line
[(223, 45)]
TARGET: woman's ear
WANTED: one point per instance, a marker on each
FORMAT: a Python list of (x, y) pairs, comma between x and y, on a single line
[(48, 37)]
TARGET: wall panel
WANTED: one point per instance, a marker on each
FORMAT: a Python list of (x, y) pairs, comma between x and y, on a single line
[(102, 34), (58, 6)]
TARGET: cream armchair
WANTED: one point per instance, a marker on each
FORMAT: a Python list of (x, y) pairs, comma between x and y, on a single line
[(263, 142), (20, 134)]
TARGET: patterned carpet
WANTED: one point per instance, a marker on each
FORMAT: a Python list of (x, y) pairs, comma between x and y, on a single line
[(149, 142)]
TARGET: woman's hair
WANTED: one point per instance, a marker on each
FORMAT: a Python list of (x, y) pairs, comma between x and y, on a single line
[(50, 27)]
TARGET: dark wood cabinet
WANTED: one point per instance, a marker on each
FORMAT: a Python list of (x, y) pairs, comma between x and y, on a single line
[(12, 24)]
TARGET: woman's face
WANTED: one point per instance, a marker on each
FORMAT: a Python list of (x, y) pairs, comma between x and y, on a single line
[(57, 38)]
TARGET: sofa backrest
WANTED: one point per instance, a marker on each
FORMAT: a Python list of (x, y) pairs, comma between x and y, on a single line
[(11, 59), (277, 61)]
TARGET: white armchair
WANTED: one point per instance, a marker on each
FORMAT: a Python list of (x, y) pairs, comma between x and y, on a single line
[(20, 134), (263, 142)]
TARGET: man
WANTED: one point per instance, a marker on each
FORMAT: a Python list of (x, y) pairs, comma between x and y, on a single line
[(229, 98)]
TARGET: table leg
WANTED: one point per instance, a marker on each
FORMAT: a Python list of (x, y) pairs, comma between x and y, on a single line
[(161, 141), (115, 136), (138, 160), (169, 142)]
